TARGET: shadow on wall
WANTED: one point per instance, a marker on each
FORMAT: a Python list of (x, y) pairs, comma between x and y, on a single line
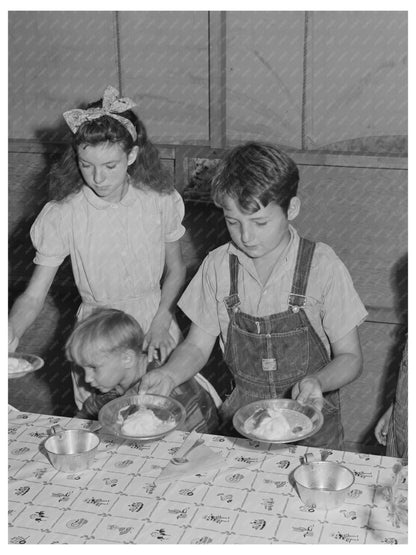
[(49, 390), (399, 282)]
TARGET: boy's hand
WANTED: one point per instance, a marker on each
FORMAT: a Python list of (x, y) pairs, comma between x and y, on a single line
[(158, 382), (382, 426), (308, 392)]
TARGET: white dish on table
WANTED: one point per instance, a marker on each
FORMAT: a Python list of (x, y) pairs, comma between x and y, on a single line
[(165, 411), (21, 364), (277, 420)]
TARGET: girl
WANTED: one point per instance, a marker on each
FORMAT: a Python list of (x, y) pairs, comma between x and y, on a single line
[(108, 346), (115, 212)]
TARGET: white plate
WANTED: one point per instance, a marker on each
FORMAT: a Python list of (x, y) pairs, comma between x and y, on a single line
[(314, 416), (34, 361), (165, 408)]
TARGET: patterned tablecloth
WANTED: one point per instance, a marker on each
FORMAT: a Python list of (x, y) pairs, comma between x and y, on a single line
[(251, 500)]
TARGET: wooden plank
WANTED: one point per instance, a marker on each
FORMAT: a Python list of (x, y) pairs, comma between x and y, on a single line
[(217, 78)]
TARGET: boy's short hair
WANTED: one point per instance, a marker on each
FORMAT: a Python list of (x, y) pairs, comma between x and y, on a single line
[(255, 174), (104, 330)]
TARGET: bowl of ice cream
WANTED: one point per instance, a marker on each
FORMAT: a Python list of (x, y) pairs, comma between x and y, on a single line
[(277, 420), (21, 364), (143, 417)]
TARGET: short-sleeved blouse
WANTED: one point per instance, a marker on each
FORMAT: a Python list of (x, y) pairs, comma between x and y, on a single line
[(117, 250)]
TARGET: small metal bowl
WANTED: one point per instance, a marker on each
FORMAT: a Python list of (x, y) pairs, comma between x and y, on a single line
[(165, 408), (285, 405), (71, 450), (34, 361), (323, 484)]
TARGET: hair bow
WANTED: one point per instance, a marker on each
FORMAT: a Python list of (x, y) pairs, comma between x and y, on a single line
[(112, 105)]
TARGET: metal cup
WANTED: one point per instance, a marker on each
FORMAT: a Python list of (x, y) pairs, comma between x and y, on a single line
[(323, 484), (71, 450)]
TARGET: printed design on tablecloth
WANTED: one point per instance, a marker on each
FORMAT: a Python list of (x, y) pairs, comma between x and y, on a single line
[(213, 518), (95, 501), (133, 507), (236, 477), (161, 533), (110, 482), (195, 536), (38, 471), (185, 491), (360, 495), (253, 524), (23, 492), (13, 510), (37, 517), (346, 537), (173, 512), (23, 536), (151, 468), (299, 531), (126, 464), (23, 451), (266, 503), (147, 487), (117, 529), (220, 496), (273, 483), (56, 496), (297, 510)]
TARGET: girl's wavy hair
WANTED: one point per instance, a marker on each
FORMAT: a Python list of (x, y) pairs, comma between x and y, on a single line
[(255, 174), (147, 170)]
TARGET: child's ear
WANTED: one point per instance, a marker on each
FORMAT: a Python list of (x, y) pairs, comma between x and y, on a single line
[(128, 357), (294, 208), (132, 155)]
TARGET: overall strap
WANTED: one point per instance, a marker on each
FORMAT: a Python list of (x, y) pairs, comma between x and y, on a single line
[(297, 297), (233, 300), (233, 263)]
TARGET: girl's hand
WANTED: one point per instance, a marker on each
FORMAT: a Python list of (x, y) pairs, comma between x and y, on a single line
[(13, 339), (382, 426), (158, 342), (157, 381), (308, 392)]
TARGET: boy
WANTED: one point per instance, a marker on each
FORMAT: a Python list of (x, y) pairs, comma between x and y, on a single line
[(108, 345), (284, 308)]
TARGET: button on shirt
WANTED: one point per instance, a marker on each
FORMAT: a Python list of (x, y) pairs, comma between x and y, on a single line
[(332, 303)]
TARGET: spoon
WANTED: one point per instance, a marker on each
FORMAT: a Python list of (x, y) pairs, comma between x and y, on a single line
[(183, 459)]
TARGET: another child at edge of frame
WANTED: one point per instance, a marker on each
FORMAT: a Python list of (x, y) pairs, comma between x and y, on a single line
[(107, 344)]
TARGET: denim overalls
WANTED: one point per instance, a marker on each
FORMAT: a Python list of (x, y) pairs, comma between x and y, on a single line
[(268, 355)]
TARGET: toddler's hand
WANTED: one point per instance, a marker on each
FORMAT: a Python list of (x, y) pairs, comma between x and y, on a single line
[(308, 392), (157, 381), (382, 426)]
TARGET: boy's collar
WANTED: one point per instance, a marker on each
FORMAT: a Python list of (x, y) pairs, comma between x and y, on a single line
[(287, 254)]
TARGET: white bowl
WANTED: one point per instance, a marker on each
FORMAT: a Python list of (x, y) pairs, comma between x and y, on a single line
[(165, 408), (35, 364)]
